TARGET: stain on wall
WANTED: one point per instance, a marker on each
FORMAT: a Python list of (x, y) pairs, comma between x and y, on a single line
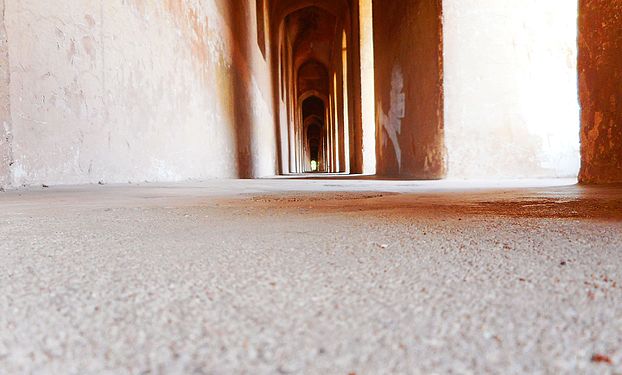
[(136, 90), (409, 89), (511, 97), (600, 77), (5, 107)]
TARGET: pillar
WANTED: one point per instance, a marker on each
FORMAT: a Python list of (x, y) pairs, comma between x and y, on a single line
[(409, 88), (600, 86)]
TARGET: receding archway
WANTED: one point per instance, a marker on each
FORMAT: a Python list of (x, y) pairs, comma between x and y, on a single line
[(315, 143), (314, 146), (313, 59)]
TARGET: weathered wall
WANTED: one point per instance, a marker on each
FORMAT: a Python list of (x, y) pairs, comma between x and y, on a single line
[(511, 107), (600, 70), (409, 88), (137, 90), (250, 72), (5, 109)]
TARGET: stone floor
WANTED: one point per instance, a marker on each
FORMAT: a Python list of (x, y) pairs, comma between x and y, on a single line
[(327, 276)]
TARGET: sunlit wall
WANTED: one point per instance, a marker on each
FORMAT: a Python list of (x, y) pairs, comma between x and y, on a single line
[(511, 97), (367, 86)]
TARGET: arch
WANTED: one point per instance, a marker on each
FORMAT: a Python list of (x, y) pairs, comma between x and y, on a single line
[(313, 129), (305, 95), (312, 76), (310, 31), (282, 9), (312, 106), (309, 38), (314, 135)]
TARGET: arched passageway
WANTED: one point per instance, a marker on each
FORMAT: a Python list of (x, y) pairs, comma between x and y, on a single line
[(314, 147), (315, 142), (313, 60), (411, 89), (396, 104)]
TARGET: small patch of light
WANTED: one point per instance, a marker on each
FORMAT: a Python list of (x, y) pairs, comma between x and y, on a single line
[(313, 166)]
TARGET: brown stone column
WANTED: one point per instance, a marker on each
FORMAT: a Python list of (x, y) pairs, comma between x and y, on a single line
[(600, 81), (409, 88)]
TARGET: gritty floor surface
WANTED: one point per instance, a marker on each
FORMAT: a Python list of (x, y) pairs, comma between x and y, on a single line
[(312, 276)]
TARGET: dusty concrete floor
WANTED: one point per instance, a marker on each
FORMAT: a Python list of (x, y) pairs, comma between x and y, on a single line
[(311, 276)]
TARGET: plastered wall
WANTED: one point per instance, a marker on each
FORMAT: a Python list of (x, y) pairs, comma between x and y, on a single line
[(511, 100), (133, 90), (5, 108), (600, 71), (409, 88)]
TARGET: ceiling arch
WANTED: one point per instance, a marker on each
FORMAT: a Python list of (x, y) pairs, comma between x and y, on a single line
[(311, 32), (313, 76), (282, 8)]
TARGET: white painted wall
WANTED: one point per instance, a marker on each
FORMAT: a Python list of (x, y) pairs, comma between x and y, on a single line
[(511, 97), (133, 90), (5, 108)]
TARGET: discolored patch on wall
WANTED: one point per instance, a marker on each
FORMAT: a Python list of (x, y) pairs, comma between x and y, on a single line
[(390, 123), (192, 23)]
